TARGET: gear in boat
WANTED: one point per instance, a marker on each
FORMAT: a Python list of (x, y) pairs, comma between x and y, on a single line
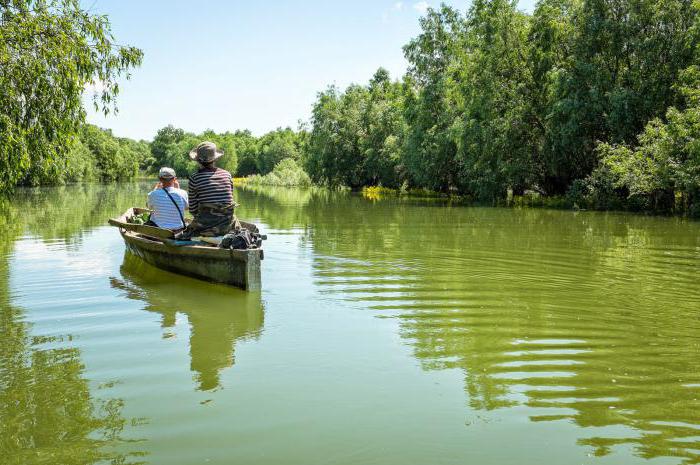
[(232, 259)]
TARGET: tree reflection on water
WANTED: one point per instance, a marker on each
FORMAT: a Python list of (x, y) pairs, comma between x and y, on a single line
[(48, 414), (588, 319)]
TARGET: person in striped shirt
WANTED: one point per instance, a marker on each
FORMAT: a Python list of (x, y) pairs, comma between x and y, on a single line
[(210, 195)]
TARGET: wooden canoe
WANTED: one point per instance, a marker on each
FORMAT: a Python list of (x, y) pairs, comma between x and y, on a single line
[(240, 268)]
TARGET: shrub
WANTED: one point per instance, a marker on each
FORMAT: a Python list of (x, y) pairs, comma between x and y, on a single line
[(286, 173)]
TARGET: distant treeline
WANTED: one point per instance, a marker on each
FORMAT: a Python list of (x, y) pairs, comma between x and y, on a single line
[(245, 154), (94, 154), (598, 100)]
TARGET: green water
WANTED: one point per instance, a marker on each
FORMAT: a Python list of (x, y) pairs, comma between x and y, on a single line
[(387, 332)]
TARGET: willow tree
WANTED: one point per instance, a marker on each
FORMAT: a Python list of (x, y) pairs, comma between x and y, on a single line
[(50, 52), (626, 57), (496, 150), (384, 128), (430, 152), (335, 155)]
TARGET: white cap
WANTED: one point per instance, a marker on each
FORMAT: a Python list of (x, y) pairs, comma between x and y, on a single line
[(166, 173)]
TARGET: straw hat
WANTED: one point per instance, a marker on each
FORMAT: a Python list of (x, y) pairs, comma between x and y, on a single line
[(206, 152)]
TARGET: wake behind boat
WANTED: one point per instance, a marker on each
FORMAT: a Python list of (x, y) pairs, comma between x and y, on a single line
[(201, 258)]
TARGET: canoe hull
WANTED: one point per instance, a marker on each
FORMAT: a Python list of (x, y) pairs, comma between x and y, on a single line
[(240, 268)]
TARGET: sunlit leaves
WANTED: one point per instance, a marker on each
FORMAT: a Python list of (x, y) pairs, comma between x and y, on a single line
[(50, 52)]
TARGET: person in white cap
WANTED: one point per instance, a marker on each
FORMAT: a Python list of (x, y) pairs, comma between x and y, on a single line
[(168, 202)]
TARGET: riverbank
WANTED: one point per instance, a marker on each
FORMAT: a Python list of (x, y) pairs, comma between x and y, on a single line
[(528, 200)]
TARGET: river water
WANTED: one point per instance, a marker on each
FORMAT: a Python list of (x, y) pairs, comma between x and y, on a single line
[(391, 331)]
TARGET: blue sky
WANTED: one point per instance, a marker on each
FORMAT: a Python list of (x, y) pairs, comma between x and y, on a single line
[(228, 65)]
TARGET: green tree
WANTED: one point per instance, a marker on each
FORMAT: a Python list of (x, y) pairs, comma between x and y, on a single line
[(665, 161), (140, 151), (275, 146), (335, 152), (626, 56), (496, 147), (430, 152), (163, 143), (247, 149), (171, 147), (357, 135), (80, 163), (384, 128), (50, 50), (551, 40), (115, 159)]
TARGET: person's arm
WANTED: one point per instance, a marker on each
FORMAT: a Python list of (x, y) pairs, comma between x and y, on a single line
[(232, 191), (193, 199)]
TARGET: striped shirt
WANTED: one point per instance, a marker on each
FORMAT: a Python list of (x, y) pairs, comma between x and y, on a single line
[(164, 213), (210, 186)]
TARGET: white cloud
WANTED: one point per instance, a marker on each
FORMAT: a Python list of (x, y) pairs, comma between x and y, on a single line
[(398, 6), (421, 7)]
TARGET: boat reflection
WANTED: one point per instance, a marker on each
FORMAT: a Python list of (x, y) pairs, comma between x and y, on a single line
[(219, 316)]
